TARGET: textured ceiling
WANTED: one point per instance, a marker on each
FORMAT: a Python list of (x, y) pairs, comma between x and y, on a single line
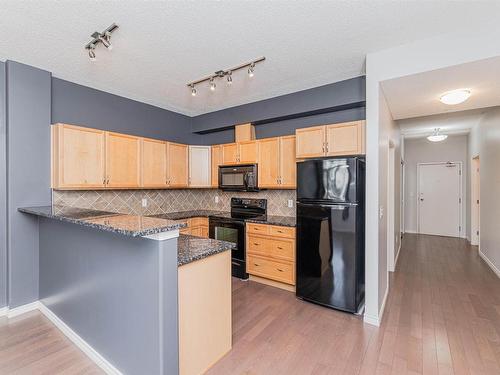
[(161, 45)]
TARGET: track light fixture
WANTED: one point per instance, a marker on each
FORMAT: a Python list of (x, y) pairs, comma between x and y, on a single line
[(227, 73), (104, 38)]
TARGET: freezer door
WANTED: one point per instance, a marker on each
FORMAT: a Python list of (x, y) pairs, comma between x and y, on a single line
[(328, 253), (331, 180)]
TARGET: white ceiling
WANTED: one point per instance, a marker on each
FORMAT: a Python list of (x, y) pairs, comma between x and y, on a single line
[(418, 94), (161, 45)]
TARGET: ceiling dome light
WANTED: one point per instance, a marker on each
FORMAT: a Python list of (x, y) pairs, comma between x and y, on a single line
[(212, 84), (251, 70), (455, 96), (193, 90), (437, 136), (229, 78)]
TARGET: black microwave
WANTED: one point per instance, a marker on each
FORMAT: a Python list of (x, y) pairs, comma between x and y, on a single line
[(238, 177)]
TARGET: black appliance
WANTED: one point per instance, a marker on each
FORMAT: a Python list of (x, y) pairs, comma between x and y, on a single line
[(231, 228), (331, 232), (238, 177)]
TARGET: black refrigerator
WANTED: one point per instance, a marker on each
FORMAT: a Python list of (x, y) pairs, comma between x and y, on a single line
[(331, 232)]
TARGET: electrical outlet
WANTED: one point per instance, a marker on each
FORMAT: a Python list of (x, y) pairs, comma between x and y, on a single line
[(144, 202), (216, 199), (290, 203)]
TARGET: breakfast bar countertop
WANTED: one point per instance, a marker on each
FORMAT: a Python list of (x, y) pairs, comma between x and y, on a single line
[(192, 248), (128, 225)]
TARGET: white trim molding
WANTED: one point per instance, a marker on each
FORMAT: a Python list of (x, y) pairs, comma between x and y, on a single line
[(377, 320), (11, 313), (489, 263), (4, 311), (98, 359)]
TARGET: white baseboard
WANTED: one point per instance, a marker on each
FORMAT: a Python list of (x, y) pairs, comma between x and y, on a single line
[(11, 313), (411, 231), (79, 342), (489, 263), (397, 256), (376, 320), (4, 311)]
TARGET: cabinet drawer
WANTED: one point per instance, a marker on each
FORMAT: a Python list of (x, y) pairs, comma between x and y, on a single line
[(196, 221), (258, 228), (287, 232), (279, 249), (279, 271)]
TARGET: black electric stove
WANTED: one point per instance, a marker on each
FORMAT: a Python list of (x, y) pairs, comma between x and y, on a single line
[(231, 228)]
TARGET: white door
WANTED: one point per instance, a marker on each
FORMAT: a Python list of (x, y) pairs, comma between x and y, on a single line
[(439, 199), (199, 166)]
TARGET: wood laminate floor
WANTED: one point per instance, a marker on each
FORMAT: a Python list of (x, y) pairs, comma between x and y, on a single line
[(442, 317)]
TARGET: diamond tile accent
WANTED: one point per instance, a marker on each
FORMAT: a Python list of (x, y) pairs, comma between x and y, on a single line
[(165, 201)]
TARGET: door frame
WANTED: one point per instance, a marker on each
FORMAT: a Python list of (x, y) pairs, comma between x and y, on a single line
[(391, 196), (460, 194), (475, 201)]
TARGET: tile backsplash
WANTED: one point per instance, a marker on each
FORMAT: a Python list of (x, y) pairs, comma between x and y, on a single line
[(163, 201)]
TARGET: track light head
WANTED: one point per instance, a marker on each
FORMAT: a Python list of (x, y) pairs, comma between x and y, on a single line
[(193, 90), (251, 69), (91, 49), (106, 40), (229, 77), (212, 84)]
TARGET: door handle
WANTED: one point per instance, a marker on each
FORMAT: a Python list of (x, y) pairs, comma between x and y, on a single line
[(421, 199)]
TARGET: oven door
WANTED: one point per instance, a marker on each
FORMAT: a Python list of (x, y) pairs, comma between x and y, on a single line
[(231, 231)]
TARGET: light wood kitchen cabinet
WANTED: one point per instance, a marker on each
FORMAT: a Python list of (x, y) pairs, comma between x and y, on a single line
[(310, 142), (248, 152), (196, 226), (345, 139), (154, 163), (230, 153), (123, 161), (216, 161), (271, 253), (199, 166), (240, 153), (288, 164), (331, 140), (78, 157), (277, 163), (177, 165), (269, 162)]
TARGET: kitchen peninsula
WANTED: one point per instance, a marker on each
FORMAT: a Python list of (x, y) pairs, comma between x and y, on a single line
[(142, 298)]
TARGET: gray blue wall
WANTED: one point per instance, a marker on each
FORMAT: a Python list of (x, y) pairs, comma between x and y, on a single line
[(283, 114), (116, 292), (3, 192), (28, 174)]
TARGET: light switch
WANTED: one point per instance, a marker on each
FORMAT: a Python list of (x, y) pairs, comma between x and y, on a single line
[(144, 202), (216, 199)]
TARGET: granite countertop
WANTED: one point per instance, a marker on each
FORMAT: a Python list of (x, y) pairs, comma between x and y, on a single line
[(287, 221), (192, 248), (128, 225)]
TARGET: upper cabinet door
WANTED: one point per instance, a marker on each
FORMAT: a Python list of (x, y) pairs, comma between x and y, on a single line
[(288, 165), (269, 163), (216, 161), (248, 152), (199, 166), (77, 157), (230, 153), (123, 161), (310, 142), (177, 161), (154, 163), (345, 139)]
